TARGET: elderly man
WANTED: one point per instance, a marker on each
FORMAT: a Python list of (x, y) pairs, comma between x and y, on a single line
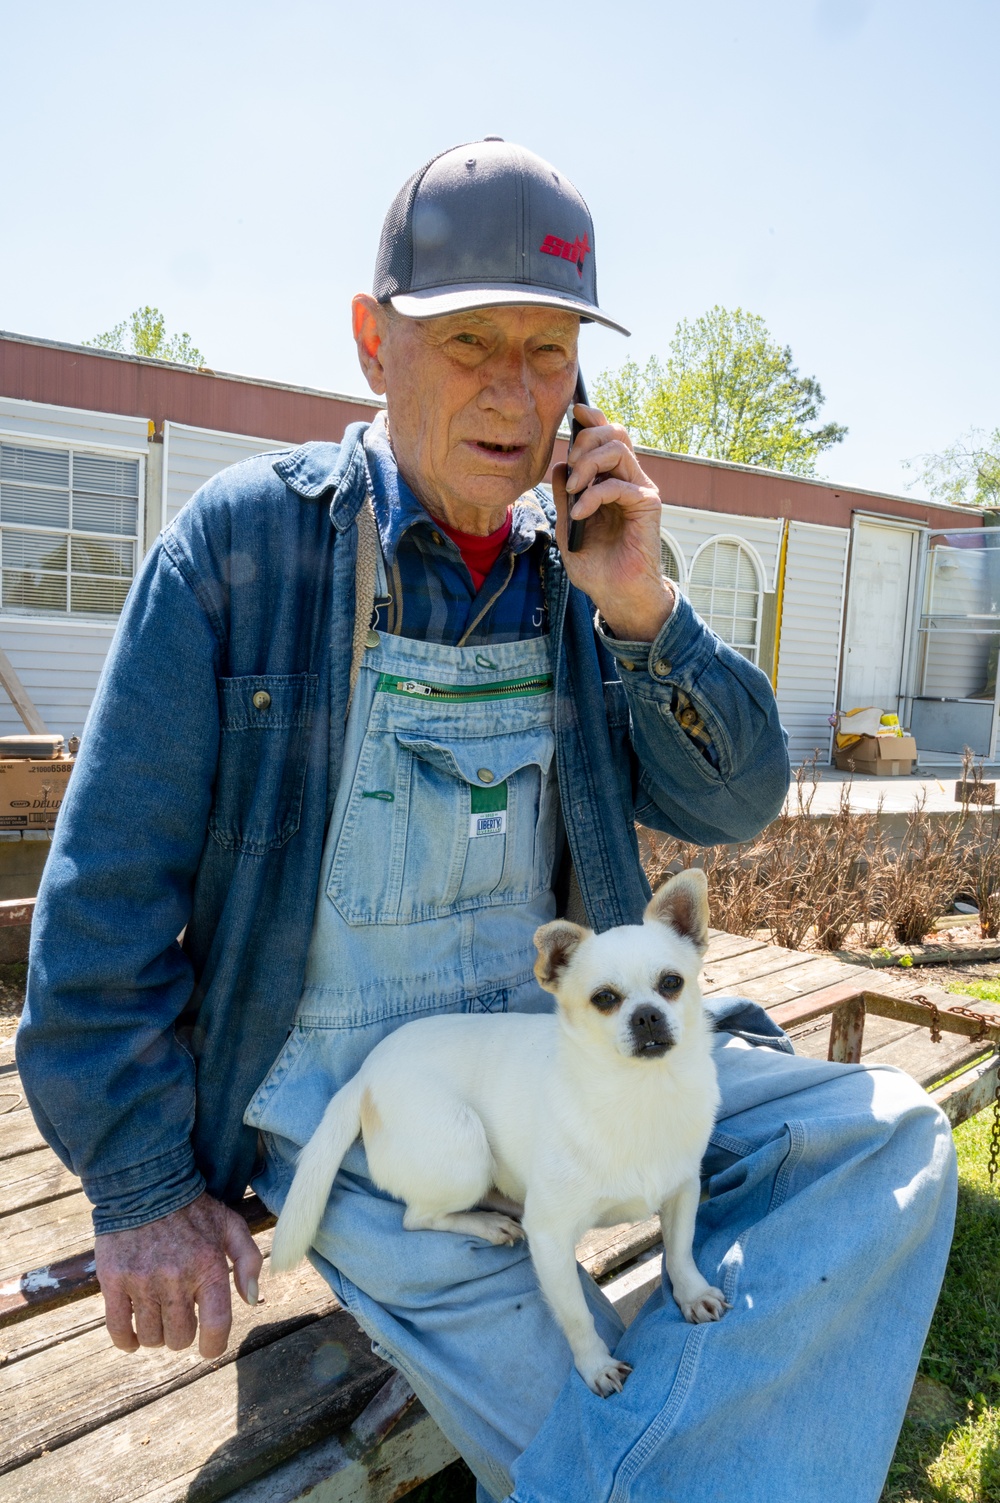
[(334, 662)]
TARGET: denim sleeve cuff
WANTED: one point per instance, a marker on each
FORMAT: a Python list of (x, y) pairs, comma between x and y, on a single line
[(677, 654), (144, 1192)]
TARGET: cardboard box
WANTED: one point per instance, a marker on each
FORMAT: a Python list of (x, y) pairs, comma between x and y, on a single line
[(31, 792), (883, 756)]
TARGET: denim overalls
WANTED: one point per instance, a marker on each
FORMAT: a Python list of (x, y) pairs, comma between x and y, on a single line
[(437, 868)]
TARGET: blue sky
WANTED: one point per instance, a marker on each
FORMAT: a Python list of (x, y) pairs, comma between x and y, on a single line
[(829, 164)]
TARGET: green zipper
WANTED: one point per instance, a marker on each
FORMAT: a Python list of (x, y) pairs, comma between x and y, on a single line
[(415, 689)]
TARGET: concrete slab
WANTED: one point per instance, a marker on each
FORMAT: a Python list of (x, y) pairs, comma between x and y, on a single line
[(898, 795)]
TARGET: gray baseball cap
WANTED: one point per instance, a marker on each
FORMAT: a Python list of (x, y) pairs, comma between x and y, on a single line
[(485, 225)]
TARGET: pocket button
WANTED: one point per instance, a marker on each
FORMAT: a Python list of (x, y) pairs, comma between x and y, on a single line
[(485, 776), (262, 700)]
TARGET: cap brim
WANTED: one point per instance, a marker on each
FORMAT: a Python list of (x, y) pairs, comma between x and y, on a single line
[(462, 299)]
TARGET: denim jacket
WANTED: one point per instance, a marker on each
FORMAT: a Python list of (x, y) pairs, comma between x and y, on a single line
[(201, 795)]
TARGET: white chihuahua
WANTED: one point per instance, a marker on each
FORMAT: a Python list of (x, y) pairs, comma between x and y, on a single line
[(595, 1114)]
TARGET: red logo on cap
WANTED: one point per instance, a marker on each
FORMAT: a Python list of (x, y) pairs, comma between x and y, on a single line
[(570, 250)]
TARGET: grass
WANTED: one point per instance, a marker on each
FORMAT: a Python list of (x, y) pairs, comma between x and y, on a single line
[(949, 1450)]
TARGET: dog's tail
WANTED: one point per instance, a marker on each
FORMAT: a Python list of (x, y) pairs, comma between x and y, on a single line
[(315, 1173)]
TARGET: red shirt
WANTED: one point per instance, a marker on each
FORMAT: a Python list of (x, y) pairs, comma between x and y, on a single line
[(479, 553)]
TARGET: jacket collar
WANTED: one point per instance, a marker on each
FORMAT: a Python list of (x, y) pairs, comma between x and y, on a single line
[(316, 468)]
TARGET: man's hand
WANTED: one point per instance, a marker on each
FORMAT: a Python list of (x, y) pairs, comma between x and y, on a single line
[(161, 1271), (619, 563)]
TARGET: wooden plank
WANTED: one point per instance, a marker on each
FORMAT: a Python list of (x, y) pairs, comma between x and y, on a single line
[(69, 1389), (44, 1234), (730, 975), (196, 1445), (16, 911), (608, 1247), (723, 946), (32, 1178), (49, 1327), (924, 1060), (328, 1473), (19, 697), (18, 1133), (811, 1039), (970, 1092), (811, 976)]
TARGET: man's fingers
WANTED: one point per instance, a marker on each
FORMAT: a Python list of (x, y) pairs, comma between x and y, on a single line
[(179, 1323), (606, 493), (610, 457), (245, 1256), (118, 1319), (215, 1317), (148, 1321)]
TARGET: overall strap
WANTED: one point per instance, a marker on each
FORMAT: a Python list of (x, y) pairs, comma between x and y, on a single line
[(367, 570)]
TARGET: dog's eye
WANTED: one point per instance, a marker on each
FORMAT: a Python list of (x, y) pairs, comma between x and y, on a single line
[(669, 984), (606, 999)]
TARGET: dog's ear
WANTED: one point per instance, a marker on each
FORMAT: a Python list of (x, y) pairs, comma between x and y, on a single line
[(682, 902), (556, 944)]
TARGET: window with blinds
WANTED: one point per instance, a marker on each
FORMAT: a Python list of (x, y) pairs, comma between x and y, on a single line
[(725, 591), (69, 531), (668, 561)]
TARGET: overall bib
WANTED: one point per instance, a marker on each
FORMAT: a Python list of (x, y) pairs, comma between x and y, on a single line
[(437, 868)]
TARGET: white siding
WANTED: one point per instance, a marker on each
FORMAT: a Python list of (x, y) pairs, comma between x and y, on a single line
[(809, 651), (689, 529), (59, 663), (73, 425), (194, 455)]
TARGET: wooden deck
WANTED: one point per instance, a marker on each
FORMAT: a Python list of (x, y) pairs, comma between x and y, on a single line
[(299, 1406)]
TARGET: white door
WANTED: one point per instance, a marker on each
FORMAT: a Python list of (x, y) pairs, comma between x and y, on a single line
[(878, 614)]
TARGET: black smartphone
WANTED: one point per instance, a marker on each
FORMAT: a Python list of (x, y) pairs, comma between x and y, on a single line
[(578, 527)]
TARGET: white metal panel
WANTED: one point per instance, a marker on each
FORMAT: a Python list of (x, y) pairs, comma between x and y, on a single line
[(194, 455), (59, 663), (73, 426), (690, 529), (811, 622)]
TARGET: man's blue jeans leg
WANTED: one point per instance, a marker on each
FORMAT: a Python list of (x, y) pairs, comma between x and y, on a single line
[(828, 1223)]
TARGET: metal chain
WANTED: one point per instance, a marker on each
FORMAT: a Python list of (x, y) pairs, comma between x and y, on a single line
[(989, 1028), (923, 1001)]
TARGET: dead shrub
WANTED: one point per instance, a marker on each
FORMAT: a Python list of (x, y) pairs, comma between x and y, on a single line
[(922, 877), (980, 848), (803, 876), (816, 880)]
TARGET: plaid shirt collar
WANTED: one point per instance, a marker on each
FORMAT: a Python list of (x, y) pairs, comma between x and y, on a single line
[(397, 509)]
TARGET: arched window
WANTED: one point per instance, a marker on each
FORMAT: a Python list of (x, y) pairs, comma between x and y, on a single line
[(670, 559), (725, 591)]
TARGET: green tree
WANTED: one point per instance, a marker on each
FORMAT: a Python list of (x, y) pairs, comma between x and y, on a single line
[(727, 391), (968, 471), (144, 333)]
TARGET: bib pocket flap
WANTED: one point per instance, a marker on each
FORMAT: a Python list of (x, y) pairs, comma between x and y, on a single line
[(484, 762)]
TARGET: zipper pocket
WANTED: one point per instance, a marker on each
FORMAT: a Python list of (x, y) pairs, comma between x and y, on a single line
[(412, 688)]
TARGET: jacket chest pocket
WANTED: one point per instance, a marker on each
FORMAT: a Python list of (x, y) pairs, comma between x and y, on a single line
[(266, 721), (435, 827)]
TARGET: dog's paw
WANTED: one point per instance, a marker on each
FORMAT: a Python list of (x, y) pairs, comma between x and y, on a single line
[(502, 1231), (605, 1375), (710, 1304)]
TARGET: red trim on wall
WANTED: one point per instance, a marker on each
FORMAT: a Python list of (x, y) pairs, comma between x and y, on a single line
[(71, 376), (152, 390)]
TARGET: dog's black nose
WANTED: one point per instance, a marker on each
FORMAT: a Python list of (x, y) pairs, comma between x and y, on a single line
[(651, 1031)]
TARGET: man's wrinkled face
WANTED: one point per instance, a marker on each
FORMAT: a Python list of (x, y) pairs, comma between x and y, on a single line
[(474, 399)]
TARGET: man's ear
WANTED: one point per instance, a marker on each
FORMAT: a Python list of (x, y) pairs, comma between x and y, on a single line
[(682, 903), (367, 327), (556, 944)]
